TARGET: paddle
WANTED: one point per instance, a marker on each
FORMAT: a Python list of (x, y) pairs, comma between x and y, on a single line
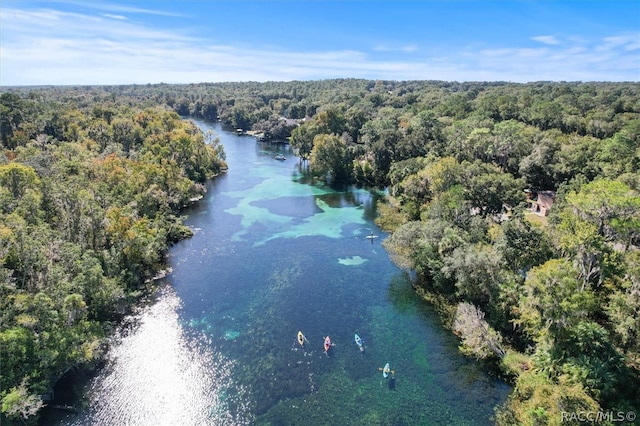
[(390, 371)]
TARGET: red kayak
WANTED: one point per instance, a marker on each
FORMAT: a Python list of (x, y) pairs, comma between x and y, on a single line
[(327, 343)]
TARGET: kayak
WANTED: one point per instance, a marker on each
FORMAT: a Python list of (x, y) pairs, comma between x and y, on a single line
[(327, 344), (358, 340), (386, 370), (301, 338)]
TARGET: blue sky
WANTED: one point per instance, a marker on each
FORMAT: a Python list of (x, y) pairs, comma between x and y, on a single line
[(124, 42)]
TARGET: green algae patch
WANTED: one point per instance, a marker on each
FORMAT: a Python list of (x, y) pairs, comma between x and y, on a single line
[(352, 261), (269, 207), (329, 222), (252, 201)]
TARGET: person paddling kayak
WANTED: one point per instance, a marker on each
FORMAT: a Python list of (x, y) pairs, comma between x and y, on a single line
[(327, 345), (359, 342), (301, 338)]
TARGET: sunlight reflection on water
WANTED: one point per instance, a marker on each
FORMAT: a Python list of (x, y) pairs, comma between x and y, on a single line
[(158, 375)]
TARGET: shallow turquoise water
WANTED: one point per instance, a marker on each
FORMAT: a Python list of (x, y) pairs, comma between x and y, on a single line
[(272, 255)]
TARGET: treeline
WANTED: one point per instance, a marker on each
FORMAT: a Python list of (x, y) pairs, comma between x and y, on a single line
[(90, 194), (546, 133), (554, 302), (585, 109)]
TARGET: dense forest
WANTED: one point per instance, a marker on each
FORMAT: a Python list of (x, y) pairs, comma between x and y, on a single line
[(92, 180), (90, 199)]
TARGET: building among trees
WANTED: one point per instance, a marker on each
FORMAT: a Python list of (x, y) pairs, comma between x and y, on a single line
[(540, 201)]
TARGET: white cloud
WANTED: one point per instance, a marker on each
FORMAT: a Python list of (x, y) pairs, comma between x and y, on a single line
[(546, 39), (120, 17), (628, 42), (400, 48), (113, 7), (410, 48), (575, 62)]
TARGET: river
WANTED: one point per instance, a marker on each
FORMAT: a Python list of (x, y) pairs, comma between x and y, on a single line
[(272, 255)]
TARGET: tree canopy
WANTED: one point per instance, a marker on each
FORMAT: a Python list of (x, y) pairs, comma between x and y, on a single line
[(90, 199)]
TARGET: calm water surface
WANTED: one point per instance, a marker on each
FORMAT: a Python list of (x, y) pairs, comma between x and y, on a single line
[(272, 255)]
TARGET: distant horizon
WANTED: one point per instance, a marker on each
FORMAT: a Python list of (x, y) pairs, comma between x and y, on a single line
[(118, 42), (70, 85)]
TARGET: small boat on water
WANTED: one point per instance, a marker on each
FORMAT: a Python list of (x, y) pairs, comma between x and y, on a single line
[(371, 236), (327, 344), (359, 342), (386, 370), (301, 338), (280, 157)]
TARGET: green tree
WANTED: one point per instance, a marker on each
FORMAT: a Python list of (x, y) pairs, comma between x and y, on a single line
[(329, 158), (423, 246), (612, 206), (443, 174), (301, 140), (490, 190), (623, 306), (423, 137), (19, 404), (577, 156), (11, 118), (126, 133), (621, 153), (539, 399), (452, 206), (511, 143), (16, 348), (588, 357), (18, 178), (380, 137), (522, 245), (331, 120), (477, 271), (579, 241), (537, 168), (545, 114), (554, 301)]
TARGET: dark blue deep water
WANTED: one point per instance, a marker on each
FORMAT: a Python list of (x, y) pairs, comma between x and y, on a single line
[(272, 255)]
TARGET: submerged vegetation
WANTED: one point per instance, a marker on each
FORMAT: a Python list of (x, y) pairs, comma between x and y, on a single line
[(92, 180)]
